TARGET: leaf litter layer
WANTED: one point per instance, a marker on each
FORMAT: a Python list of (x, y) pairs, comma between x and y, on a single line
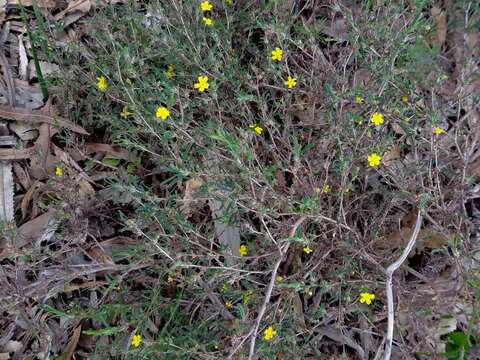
[(252, 215)]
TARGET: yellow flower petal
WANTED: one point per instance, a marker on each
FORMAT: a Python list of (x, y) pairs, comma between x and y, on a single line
[(162, 113), (207, 21), (269, 333), (243, 250), (206, 6), (136, 340), (374, 159), (169, 71), (291, 82), (376, 119), (125, 113), (202, 83), (366, 298), (358, 100), (307, 250), (102, 83), (277, 54)]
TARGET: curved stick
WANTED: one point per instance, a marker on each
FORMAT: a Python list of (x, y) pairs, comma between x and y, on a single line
[(390, 270)]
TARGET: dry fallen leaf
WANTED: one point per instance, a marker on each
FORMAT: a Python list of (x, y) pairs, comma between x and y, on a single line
[(86, 189), (226, 234), (27, 95), (37, 230), (337, 29), (25, 131), (336, 335), (45, 67), (398, 129), (72, 344), (40, 3), (28, 197), (74, 11), (22, 175), (427, 238), (297, 310), (441, 21), (6, 191), (13, 346), (23, 59), (361, 78), (112, 152), (390, 156), (190, 187), (37, 116), (3, 8)]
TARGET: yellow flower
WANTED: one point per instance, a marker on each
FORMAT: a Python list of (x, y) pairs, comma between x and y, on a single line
[(269, 333), (291, 82), (326, 188), (202, 83), (317, 190), (243, 250), (279, 278), (136, 340), (358, 100), (229, 2), (256, 128), (246, 297), (376, 119), (366, 298), (277, 54), (374, 159), (206, 6), (162, 113), (207, 21), (125, 113), (102, 83), (169, 72), (228, 304), (309, 293), (438, 131), (170, 279), (307, 250), (58, 171), (405, 99)]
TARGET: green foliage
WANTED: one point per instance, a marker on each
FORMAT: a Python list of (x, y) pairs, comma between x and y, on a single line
[(312, 135)]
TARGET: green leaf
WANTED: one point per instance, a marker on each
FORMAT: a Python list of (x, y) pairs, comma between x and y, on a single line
[(111, 162), (105, 331)]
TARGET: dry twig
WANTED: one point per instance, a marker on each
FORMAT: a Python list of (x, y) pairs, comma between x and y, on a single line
[(390, 270)]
